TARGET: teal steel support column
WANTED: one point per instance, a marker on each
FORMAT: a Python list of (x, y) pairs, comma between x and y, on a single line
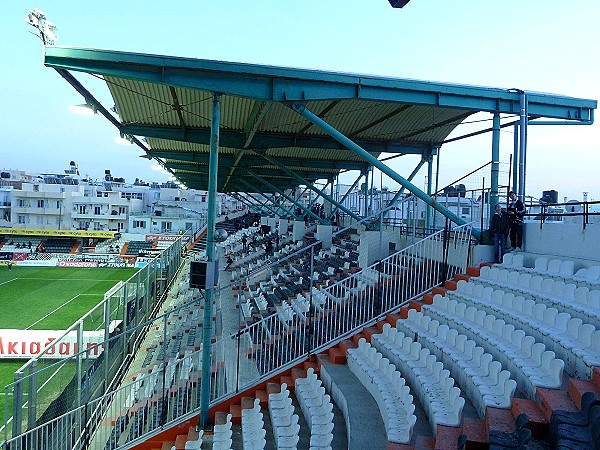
[(515, 168), (264, 205), (211, 257), (429, 184), (269, 185), (366, 206), (523, 146), (280, 206), (341, 201), (311, 187), (401, 190), (245, 201), (495, 163), (304, 112)]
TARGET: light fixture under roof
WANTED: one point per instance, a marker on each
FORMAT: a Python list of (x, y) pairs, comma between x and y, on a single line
[(85, 109)]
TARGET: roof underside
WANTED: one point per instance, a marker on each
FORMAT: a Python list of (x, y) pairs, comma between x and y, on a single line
[(168, 101)]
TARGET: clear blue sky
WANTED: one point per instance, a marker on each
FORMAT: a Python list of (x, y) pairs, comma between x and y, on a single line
[(540, 45)]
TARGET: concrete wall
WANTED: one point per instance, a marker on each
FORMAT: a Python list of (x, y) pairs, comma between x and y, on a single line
[(567, 239)]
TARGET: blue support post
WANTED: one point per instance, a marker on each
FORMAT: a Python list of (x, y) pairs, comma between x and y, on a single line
[(301, 109), (341, 201), (523, 146), (495, 164), (515, 167), (429, 184), (366, 211), (269, 185), (401, 190), (311, 187), (203, 422)]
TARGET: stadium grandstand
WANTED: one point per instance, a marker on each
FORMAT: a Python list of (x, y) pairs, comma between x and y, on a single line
[(319, 318)]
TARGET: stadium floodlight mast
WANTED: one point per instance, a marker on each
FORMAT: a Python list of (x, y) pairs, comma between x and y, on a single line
[(46, 30)]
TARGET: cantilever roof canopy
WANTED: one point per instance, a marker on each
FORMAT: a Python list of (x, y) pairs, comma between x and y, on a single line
[(167, 100)]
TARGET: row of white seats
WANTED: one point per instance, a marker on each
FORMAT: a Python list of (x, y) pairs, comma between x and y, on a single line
[(555, 267), (530, 364), (430, 382), (389, 390), (193, 445), (576, 343), (222, 435), (286, 429), (477, 373), (253, 428), (317, 409), (578, 301)]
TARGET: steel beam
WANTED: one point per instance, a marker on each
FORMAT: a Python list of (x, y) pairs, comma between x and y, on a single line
[(211, 257), (254, 160), (345, 195), (495, 165), (301, 109), (263, 204), (237, 139), (266, 183), (311, 187), (288, 84), (401, 190)]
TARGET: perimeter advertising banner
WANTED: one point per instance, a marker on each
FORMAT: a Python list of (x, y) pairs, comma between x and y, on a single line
[(29, 343), (64, 233)]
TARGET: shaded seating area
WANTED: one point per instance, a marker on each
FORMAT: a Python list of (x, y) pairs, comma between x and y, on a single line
[(58, 245)]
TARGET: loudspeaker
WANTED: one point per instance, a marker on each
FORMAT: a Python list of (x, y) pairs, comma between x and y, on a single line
[(198, 274), (203, 273)]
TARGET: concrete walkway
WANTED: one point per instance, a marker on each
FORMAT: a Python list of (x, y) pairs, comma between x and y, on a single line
[(364, 425)]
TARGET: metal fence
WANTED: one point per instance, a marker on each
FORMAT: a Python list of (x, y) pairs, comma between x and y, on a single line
[(169, 391), (45, 388)]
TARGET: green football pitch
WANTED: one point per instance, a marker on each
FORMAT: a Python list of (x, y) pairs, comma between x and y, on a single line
[(48, 298)]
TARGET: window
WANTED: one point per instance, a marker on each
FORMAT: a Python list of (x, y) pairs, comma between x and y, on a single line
[(58, 205), (122, 210), (106, 194), (81, 209), (139, 224), (97, 226), (188, 225), (22, 203), (466, 211), (97, 210), (21, 219), (41, 203), (36, 188), (165, 226)]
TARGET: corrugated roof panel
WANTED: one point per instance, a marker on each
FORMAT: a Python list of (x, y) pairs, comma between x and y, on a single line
[(139, 102), (180, 146), (325, 154), (418, 124)]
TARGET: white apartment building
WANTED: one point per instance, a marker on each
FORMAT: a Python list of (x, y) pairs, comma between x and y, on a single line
[(69, 202)]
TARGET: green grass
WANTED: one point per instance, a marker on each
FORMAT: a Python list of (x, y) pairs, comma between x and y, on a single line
[(49, 298)]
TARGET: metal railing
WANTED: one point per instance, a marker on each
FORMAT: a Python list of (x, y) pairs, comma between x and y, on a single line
[(328, 311), (557, 212), (45, 388)]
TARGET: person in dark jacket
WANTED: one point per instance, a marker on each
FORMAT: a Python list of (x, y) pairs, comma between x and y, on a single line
[(516, 212), (500, 228)]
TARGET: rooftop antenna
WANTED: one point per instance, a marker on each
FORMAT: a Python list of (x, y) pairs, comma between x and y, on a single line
[(46, 30)]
